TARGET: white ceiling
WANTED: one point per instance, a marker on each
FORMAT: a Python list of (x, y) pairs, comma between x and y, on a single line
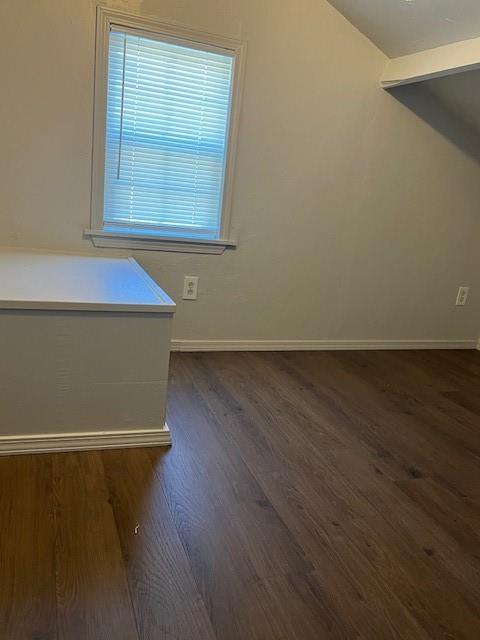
[(399, 27)]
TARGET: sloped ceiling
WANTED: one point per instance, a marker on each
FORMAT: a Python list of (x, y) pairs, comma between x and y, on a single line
[(460, 93), (399, 27)]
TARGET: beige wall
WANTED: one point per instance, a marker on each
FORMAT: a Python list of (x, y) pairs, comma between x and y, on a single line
[(354, 217)]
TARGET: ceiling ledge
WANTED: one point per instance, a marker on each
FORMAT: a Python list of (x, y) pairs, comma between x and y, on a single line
[(432, 63)]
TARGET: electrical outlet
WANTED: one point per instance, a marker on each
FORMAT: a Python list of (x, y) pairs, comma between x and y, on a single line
[(462, 296), (190, 287)]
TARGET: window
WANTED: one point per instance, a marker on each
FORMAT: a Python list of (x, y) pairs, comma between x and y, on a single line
[(166, 112)]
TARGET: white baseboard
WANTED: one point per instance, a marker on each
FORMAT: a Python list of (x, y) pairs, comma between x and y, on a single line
[(318, 345), (51, 442)]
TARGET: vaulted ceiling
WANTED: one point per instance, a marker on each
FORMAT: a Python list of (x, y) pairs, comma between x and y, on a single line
[(402, 27), (399, 27), (460, 93)]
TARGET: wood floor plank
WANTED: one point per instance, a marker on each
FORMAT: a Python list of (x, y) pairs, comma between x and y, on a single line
[(234, 539), (93, 601), (466, 400), (408, 437), (432, 523), (459, 517), (289, 460), (417, 395), (418, 580), (315, 383), (27, 556), (166, 601), (424, 424), (303, 513), (306, 496)]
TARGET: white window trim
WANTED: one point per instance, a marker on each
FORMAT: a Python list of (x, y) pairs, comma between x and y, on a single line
[(106, 20)]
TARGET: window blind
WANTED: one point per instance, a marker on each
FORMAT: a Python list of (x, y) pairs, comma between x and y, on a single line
[(166, 136)]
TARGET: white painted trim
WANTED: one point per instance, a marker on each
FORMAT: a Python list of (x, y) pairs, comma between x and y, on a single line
[(318, 345), (107, 18), (432, 63), (155, 26), (51, 442), (152, 242)]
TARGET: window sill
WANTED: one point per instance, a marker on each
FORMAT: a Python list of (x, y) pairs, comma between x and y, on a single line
[(151, 242)]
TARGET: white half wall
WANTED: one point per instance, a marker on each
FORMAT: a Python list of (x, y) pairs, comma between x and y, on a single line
[(356, 219)]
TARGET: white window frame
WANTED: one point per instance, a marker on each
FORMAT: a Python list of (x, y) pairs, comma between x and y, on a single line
[(108, 19)]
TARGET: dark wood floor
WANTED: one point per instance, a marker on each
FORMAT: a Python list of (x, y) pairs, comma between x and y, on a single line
[(307, 496)]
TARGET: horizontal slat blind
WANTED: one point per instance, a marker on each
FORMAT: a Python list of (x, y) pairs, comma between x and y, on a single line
[(167, 119)]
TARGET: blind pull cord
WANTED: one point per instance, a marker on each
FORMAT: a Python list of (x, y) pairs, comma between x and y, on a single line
[(120, 142)]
